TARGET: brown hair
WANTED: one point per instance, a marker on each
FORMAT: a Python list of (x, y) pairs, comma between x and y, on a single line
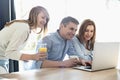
[(9, 23), (82, 29), (32, 20)]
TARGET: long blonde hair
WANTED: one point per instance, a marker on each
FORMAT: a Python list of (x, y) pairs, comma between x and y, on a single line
[(32, 20), (9, 23)]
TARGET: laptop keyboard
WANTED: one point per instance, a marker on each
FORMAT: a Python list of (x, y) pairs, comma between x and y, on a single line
[(85, 67)]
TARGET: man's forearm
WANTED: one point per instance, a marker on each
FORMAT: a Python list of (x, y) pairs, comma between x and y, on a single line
[(51, 64)]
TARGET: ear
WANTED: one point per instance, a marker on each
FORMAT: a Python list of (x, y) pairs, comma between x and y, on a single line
[(61, 26)]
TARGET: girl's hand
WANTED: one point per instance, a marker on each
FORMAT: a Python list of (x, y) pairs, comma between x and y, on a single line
[(40, 56)]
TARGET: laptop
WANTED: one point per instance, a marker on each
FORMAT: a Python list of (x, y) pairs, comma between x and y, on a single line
[(105, 56)]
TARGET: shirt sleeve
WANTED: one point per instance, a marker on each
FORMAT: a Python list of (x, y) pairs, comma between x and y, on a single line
[(81, 50), (48, 42), (17, 39)]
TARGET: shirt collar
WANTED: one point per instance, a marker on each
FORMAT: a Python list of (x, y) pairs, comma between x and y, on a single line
[(59, 36)]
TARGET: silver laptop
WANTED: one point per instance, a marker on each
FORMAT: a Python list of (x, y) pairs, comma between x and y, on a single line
[(105, 56)]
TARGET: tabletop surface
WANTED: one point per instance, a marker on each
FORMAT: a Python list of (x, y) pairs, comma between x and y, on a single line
[(62, 74)]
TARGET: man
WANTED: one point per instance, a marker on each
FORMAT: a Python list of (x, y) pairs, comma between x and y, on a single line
[(59, 44)]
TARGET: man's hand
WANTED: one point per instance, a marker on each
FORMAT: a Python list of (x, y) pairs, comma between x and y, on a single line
[(69, 63)]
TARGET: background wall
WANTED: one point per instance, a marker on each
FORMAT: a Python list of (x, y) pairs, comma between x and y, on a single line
[(105, 13)]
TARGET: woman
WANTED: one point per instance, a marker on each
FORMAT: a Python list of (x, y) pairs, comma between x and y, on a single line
[(15, 34), (85, 39)]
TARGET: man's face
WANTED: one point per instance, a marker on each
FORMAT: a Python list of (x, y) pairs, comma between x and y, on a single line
[(68, 31)]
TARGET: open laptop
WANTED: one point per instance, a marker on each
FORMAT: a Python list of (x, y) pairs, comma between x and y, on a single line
[(105, 56)]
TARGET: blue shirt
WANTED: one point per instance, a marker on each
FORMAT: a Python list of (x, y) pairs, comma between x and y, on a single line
[(81, 50), (57, 47)]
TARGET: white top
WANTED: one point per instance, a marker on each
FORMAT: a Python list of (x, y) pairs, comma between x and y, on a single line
[(12, 39)]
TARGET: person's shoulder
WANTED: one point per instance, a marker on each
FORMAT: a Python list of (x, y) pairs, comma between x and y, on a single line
[(50, 34), (74, 38), (21, 25)]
